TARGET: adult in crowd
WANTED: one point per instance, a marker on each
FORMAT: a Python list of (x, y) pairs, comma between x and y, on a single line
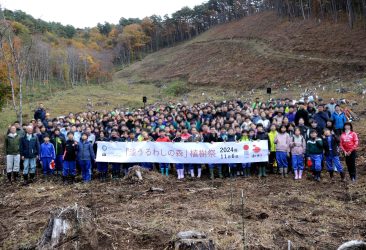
[(12, 152)]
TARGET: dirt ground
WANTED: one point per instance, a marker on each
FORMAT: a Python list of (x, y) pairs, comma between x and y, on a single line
[(129, 216)]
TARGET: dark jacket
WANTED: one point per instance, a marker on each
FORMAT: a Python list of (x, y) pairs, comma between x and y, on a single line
[(262, 136), (12, 145), (314, 147), (334, 145), (321, 118), (86, 152), (40, 114), (71, 150), (59, 144), (302, 113), (29, 148), (209, 137)]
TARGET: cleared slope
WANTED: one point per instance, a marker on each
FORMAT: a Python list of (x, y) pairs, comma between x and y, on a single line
[(258, 50)]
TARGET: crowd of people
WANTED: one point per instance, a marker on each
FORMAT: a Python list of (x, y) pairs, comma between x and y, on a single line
[(306, 135)]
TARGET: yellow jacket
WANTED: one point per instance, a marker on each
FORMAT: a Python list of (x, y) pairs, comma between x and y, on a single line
[(272, 145)]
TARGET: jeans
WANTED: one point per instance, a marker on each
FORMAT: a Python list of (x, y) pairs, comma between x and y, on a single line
[(12, 163), (46, 161), (29, 166), (59, 162), (317, 162), (85, 166), (333, 161), (282, 159), (297, 162), (69, 168), (102, 167)]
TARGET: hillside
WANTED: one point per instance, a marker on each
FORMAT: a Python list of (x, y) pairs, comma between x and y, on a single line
[(260, 49)]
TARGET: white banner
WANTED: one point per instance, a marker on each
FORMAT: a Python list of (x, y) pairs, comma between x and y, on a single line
[(188, 152)]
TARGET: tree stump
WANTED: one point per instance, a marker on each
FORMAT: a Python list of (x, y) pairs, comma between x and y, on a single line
[(191, 240)]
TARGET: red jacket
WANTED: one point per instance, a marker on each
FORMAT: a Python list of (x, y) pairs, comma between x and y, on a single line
[(349, 142), (163, 139)]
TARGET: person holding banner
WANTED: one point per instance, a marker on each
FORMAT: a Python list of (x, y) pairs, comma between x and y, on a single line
[(102, 166), (231, 137), (261, 135), (179, 167), (145, 137), (164, 167), (195, 137), (116, 167), (212, 137), (246, 166)]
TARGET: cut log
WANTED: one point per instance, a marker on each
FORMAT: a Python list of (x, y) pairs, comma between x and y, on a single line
[(191, 240)]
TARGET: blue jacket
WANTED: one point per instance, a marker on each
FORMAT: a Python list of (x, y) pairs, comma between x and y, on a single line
[(47, 151), (29, 148), (339, 120), (86, 152)]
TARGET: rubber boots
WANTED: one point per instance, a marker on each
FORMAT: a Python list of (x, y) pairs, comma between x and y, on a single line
[(296, 175), (162, 170), (220, 172), (264, 174), (25, 177), (211, 174), (331, 174), (300, 174), (282, 172), (167, 172), (260, 172), (15, 176), (9, 177), (199, 172), (64, 180), (192, 173), (342, 176), (285, 172)]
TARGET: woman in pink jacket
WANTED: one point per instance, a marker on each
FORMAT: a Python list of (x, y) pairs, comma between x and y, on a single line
[(349, 144)]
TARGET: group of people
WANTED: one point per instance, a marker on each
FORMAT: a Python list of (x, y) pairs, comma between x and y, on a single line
[(300, 134)]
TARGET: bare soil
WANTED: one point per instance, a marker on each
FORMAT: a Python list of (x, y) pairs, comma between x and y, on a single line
[(129, 215)]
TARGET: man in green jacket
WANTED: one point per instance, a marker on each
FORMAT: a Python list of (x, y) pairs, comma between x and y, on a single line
[(12, 151)]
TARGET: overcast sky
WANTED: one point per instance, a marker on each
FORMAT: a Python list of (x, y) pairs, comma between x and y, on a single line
[(87, 13)]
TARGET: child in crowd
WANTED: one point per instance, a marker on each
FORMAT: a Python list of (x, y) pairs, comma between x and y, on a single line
[(102, 166), (69, 158), (272, 148), (314, 152), (47, 156), (282, 142), (298, 148), (164, 167), (245, 166), (331, 153)]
